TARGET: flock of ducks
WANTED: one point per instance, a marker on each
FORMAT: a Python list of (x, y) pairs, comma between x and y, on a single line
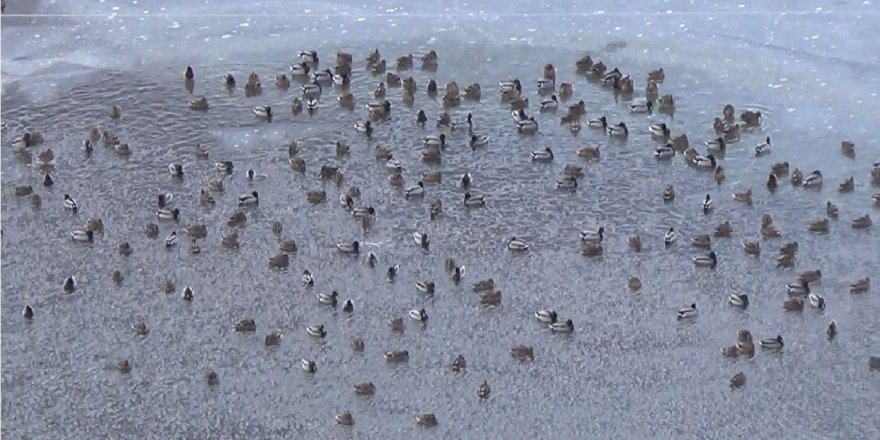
[(315, 83)]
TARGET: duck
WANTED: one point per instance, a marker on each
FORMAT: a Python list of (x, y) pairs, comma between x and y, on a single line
[(707, 161), (669, 193), (562, 327), (738, 300), (312, 105), (478, 141), (863, 222), (702, 241), (764, 147), (797, 177), (365, 389), (831, 331), (417, 190), (549, 104), (187, 293), (328, 299), (421, 239), (435, 141), (472, 201), (819, 226), (723, 229), (122, 150), (316, 330), (618, 130), (813, 180), (751, 248), (546, 316), (600, 122), (322, 76), (545, 155), (287, 246), (347, 306), (418, 315), (426, 420), (831, 209), (82, 235), (168, 214), (707, 204), (772, 343), (426, 287), (687, 312), (738, 380), (70, 284), (709, 260), (307, 278), (659, 130), (772, 183), (669, 237), (273, 338), (517, 245), (483, 285), (664, 152), (641, 107), (745, 197), (364, 127), (348, 248), (396, 356), (717, 144), (264, 112), (490, 298), (848, 185), (588, 152), (593, 236), (860, 286), (279, 261), (528, 126), (793, 304), (249, 199), (171, 239), (751, 118), (801, 288), (816, 300), (523, 352), (379, 110)]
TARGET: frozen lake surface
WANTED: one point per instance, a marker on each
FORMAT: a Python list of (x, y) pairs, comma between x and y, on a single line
[(629, 371)]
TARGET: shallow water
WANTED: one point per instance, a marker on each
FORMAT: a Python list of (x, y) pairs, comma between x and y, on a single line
[(629, 370)]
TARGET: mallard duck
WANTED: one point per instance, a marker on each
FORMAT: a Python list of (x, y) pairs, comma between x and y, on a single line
[(28, 312), (122, 150), (547, 316), (273, 338), (860, 286), (230, 240), (772, 343), (619, 130), (349, 248), (641, 107), (848, 185), (69, 202), (483, 285), (123, 366), (819, 226), (69, 285), (517, 245), (522, 352), (593, 236), (279, 261), (707, 161), (316, 196), (421, 239), (707, 204), (793, 304), (709, 260), (432, 141), (764, 147), (312, 105), (848, 148), (669, 237), (723, 229), (187, 293), (745, 197), (365, 389), (780, 168), (659, 130), (550, 104), (545, 155), (125, 249), (316, 330), (417, 190), (264, 112), (874, 363), (831, 209), (300, 69), (48, 180), (528, 126), (738, 300), (115, 112), (296, 106), (797, 177), (82, 235), (364, 127), (589, 152), (562, 327), (801, 288), (396, 356), (719, 174), (472, 201), (751, 118), (600, 122), (816, 300), (813, 180), (322, 76), (738, 380), (634, 283), (717, 144), (418, 315), (769, 230), (329, 299), (490, 298), (863, 222), (831, 331), (151, 230), (702, 241), (667, 102), (168, 214), (687, 312), (664, 152), (171, 239), (772, 182), (426, 420)]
